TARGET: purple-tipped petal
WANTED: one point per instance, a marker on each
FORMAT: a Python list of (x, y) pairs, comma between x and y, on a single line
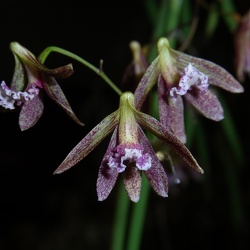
[(105, 182), (155, 127), (31, 112), (132, 182), (171, 112), (206, 103), (217, 75), (107, 176), (89, 142), (54, 91), (156, 175)]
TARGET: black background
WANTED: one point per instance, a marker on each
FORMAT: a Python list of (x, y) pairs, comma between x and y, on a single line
[(42, 211)]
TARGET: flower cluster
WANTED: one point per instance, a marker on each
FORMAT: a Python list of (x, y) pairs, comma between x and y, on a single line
[(30, 78), (177, 75)]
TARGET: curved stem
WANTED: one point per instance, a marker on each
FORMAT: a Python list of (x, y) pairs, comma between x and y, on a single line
[(42, 57)]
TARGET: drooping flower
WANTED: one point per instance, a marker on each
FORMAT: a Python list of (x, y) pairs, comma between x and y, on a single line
[(183, 76), (242, 47), (129, 152), (30, 78)]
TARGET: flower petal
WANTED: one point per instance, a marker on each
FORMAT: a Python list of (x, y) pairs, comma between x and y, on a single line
[(89, 142), (31, 112), (132, 182), (60, 72), (218, 76), (107, 176), (147, 82), (156, 175), (54, 91), (19, 77), (206, 103), (155, 127), (171, 112)]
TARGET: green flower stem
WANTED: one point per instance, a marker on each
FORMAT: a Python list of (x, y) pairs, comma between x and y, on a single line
[(42, 57), (138, 217), (120, 219)]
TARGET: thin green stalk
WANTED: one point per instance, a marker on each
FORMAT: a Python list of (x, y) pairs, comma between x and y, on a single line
[(120, 219), (42, 57)]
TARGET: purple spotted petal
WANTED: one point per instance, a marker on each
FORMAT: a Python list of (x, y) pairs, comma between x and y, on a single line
[(156, 175), (107, 176), (171, 111), (30, 113), (89, 142), (154, 126), (147, 82), (132, 182), (206, 103), (55, 92)]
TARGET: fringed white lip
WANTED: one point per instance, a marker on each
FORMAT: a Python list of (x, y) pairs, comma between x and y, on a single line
[(122, 154), (8, 97), (191, 77)]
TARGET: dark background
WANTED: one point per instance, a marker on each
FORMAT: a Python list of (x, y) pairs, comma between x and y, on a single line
[(41, 211)]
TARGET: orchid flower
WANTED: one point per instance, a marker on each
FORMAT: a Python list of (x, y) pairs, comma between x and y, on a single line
[(183, 76), (25, 91), (129, 152)]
